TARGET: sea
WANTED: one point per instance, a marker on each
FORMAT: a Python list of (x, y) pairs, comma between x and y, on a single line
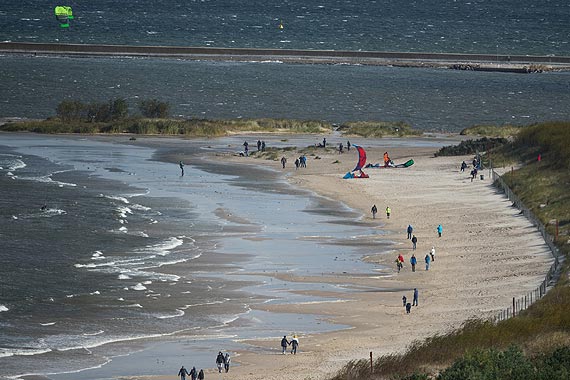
[(112, 263), (428, 99)]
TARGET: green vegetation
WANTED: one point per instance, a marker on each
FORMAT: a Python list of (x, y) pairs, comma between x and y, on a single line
[(491, 130), (113, 117), (535, 345), (472, 147), (378, 129)]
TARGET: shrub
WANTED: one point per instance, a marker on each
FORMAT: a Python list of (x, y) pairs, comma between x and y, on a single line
[(154, 109), (472, 146)]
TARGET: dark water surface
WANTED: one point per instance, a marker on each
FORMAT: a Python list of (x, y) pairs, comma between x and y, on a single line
[(429, 99)]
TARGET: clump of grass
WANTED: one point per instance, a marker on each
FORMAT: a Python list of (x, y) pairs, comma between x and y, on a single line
[(378, 129), (492, 130)]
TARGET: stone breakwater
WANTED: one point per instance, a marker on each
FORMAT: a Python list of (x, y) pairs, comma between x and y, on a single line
[(487, 62)]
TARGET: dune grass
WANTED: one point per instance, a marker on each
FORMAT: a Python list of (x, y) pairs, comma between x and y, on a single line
[(492, 130), (378, 129), (172, 127)]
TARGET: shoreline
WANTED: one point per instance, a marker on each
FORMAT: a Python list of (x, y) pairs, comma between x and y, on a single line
[(453, 61), (484, 258)]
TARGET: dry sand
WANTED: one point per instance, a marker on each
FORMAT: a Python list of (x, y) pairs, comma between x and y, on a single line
[(488, 254)]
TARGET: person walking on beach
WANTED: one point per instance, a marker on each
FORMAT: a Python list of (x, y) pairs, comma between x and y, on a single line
[(400, 262), (416, 295), (439, 230), (414, 242), (324, 142), (193, 373), (258, 145), (374, 211), (201, 374), (463, 166), (181, 164), (246, 148), (182, 373), (284, 344), (404, 300), (297, 163), (294, 345), (227, 360), (220, 361), (283, 161), (408, 308), (303, 161), (410, 230), (263, 146), (427, 260), (413, 262), (340, 147), (388, 212), (432, 253), (348, 146)]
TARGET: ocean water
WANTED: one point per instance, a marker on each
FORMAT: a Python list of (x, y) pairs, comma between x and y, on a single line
[(461, 26), (428, 99), (106, 250)]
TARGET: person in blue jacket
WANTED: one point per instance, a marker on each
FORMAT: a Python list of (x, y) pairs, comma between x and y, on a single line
[(410, 230), (439, 230), (428, 260), (413, 261)]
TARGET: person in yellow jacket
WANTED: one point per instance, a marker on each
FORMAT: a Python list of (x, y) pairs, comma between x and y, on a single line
[(388, 212)]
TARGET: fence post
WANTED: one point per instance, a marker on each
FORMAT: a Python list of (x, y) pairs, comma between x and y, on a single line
[(514, 313)]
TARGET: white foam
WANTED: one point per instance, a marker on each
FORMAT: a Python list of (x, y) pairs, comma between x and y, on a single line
[(124, 229), (116, 198), (7, 352), (96, 292), (177, 313), (95, 333), (138, 286), (48, 324), (124, 277), (140, 207), (123, 211), (3, 308)]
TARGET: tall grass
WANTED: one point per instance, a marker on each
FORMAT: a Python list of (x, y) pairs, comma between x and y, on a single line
[(378, 129), (491, 130), (173, 127)]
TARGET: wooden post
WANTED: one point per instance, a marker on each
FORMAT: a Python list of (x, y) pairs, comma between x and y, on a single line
[(514, 312), (371, 365)]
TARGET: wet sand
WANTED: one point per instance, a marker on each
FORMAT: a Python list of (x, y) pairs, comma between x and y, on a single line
[(487, 254)]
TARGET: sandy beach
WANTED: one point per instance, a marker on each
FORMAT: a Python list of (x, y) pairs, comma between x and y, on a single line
[(486, 255)]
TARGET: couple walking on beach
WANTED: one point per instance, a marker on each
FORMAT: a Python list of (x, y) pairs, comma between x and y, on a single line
[(194, 374), (223, 362), (294, 344)]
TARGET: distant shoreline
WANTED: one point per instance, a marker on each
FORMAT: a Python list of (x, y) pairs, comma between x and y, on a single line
[(475, 62)]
